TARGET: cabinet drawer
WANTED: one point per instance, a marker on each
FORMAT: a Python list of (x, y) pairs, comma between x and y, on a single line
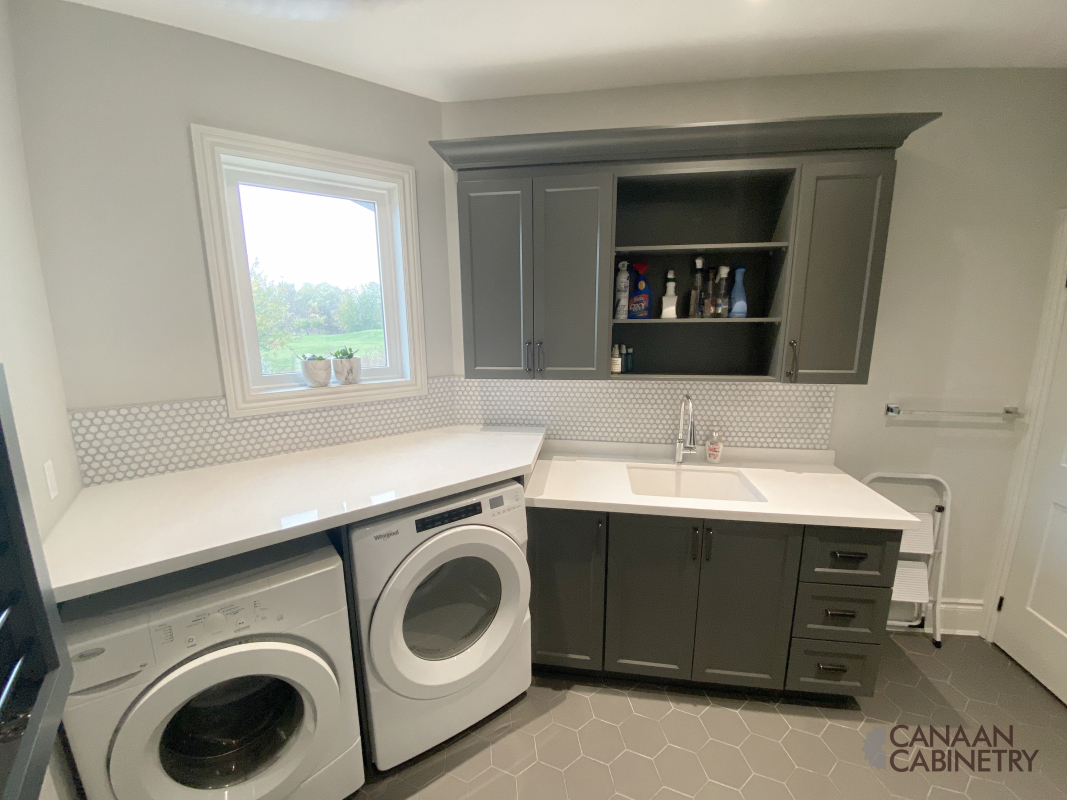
[(854, 556), (832, 667), (841, 613)]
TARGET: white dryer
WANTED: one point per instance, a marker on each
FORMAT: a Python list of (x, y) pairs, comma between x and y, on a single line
[(236, 689), (443, 594)]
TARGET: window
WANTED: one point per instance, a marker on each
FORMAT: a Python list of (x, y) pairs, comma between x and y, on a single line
[(309, 251)]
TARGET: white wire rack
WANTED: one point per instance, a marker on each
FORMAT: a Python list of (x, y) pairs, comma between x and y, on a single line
[(920, 578)]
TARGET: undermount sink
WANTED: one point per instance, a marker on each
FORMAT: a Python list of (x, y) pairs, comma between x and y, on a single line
[(702, 483)]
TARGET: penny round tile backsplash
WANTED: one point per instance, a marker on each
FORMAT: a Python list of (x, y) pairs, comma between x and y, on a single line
[(115, 444)]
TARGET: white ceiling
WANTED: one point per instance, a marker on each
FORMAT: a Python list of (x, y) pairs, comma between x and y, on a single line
[(473, 49)]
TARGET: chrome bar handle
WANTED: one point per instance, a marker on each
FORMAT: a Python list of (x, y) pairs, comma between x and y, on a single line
[(695, 554), (838, 613), (792, 373), (540, 357), (527, 363)]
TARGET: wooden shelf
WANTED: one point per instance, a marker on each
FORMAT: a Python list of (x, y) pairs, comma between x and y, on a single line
[(700, 248), (648, 376), (690, 320)]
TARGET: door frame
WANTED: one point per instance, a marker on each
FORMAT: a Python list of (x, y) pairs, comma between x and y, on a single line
[(1037, 399)]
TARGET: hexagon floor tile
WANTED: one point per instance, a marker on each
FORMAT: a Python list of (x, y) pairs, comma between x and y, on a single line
[(571, 738)]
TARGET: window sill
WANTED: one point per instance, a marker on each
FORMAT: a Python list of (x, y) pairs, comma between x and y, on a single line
[(303, 398)]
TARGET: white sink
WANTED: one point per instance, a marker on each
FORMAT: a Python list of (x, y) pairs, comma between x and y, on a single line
[(702, 483)]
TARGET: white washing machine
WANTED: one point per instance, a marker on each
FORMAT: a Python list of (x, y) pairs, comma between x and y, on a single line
[(443, 594), (239, 688)]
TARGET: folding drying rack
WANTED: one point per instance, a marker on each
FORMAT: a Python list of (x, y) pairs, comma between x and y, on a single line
[(922, 552)]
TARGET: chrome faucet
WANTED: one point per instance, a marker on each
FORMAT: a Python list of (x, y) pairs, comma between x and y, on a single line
[(687, 437)]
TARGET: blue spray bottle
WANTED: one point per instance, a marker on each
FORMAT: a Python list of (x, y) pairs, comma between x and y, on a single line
[(738, 301)]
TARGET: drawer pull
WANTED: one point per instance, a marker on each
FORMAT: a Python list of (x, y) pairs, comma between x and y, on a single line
[(695, 553), (848, 555), (833, 612), (833, 667)]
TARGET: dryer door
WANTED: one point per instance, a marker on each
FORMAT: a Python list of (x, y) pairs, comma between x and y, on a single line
[(450, 613), (236, 723)]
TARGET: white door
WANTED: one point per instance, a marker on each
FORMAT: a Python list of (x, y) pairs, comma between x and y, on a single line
[(244, 722), (1032, 626), (450, 612)]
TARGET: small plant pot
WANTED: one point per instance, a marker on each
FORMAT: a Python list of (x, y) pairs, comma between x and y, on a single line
[(316, 373), (346, 370)]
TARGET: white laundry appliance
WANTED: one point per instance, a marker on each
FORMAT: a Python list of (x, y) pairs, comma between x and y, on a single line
[(238, 688), (443, 594)]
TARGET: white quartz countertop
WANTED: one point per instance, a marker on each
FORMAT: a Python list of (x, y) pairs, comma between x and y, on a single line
[(120, 533), (799, 488)]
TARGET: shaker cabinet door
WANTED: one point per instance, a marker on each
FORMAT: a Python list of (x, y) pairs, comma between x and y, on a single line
[(653, 572), (573, 253), (842, 222), (566, 551), (748, 581), (496, 269)]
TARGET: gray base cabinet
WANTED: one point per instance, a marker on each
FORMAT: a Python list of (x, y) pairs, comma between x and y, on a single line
[(566, 551), (653, 578), (748, 581), (752, 604)]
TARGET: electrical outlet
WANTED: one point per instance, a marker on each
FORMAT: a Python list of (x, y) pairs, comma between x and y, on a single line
[(50, 476)]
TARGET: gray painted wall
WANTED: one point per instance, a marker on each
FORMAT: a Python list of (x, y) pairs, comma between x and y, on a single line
[(27, 349), (968, 254), (107, 101)]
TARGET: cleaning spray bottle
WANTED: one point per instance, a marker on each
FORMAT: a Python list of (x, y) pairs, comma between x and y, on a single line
[(641, 296), (622, 290)]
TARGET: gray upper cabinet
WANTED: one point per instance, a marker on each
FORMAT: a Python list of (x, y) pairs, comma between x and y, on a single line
[(566, 551), (572, 275), (802, 204), (653, 574), (535, 257), (496, 262), (840, 240), (748, 581)]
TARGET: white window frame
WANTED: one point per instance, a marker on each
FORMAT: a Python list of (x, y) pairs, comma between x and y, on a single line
[(225, 159)]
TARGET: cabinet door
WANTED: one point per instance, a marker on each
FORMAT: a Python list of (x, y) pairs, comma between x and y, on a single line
[(842, 222), (496, 269), (572, 275), (748, 582), (566, 551), (653, 573)]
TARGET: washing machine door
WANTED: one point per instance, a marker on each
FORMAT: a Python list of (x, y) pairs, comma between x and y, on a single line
[(450, 612), (236, 723)]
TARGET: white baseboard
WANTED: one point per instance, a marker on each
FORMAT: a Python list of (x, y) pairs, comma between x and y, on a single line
[(960, 616)]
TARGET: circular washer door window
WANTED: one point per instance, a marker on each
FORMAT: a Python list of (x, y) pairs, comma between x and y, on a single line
[(238, 723), (450, 612), (226, 734)]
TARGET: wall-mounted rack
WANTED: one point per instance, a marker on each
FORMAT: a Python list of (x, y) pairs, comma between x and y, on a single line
[(1009, 413)]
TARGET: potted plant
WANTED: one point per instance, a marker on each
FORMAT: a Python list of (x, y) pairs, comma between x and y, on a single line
[(346, 365), (315, 369)]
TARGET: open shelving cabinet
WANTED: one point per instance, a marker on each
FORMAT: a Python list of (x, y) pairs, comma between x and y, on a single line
[(737, 218)]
